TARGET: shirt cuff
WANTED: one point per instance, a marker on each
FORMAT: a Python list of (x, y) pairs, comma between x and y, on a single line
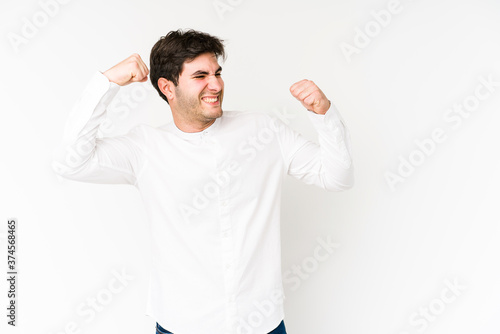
[(331, 126), (331, 120)]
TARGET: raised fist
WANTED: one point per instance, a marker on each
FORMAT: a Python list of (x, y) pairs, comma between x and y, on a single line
[(129, 70), (311, 97)]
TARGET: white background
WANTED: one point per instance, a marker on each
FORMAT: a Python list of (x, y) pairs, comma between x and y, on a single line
[(398, 246)]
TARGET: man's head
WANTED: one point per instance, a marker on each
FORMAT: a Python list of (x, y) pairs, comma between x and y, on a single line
[(185, 72)]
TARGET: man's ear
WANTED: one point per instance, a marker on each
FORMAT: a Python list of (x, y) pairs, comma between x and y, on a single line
[(167, 87)]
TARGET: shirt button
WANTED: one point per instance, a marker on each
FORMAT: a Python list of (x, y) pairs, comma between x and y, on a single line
[(232, 298), (228, 266), (224, 203), (225, 235)]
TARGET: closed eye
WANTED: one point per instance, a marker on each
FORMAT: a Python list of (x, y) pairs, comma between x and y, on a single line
[(203, 74)]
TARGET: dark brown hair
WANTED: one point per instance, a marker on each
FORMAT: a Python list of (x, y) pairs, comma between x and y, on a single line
[(172, 50)]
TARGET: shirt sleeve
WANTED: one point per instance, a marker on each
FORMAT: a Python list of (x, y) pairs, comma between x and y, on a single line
[(328, 164), (82, 156)]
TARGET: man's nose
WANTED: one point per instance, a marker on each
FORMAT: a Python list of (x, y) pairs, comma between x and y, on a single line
[(214, 83)]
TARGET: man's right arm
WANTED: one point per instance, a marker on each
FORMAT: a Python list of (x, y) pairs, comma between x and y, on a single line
[(84, 157)]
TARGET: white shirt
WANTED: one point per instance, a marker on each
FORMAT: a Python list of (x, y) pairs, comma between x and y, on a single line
[(213, 203)]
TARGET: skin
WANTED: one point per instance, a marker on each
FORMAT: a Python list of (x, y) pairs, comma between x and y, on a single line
[(200, 79)]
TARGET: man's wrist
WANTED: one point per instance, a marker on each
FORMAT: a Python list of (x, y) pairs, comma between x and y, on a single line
[(319, 113)]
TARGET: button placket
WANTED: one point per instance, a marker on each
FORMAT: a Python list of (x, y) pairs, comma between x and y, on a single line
[(226, 236)]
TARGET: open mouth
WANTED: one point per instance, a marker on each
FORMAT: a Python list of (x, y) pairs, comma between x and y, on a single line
[(211, 100)]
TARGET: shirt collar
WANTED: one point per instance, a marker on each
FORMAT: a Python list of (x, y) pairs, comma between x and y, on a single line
[(196, 135)]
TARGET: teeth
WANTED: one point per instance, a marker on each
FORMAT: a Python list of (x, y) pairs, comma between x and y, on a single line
[(212, 100)]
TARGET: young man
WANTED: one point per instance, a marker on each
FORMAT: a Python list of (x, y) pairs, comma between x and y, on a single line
[(210, 182)]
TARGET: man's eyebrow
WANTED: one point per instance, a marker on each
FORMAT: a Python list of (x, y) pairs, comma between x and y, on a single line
[(200, 72)]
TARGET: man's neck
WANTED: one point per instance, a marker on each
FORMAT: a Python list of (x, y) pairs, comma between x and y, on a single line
[(192, 125)]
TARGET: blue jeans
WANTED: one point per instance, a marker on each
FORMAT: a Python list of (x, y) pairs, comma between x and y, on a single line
[(278, 330)]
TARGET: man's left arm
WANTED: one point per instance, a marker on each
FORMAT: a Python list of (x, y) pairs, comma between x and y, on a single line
[(329, 164)]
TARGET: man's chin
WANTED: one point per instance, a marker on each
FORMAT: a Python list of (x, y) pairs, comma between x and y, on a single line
[(214, 113)]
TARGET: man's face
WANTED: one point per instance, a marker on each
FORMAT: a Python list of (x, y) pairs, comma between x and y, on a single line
[(199, 93)]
